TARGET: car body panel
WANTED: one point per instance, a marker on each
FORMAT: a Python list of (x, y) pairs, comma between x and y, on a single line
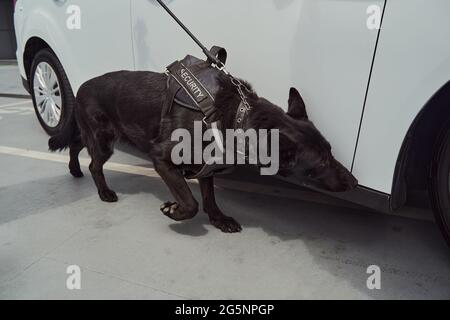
[(412, 63), (94, 49), (19, 25)]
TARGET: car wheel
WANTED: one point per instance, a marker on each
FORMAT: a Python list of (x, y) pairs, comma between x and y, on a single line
[(51, 92), (440, 184)]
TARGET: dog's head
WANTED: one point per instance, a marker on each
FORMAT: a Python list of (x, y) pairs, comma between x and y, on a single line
[(306, 154)]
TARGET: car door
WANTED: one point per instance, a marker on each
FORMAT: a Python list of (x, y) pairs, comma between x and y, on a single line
[(322, 47), (89, 37)]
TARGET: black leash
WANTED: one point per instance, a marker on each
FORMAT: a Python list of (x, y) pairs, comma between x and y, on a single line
[(208, 53), (244, 106)]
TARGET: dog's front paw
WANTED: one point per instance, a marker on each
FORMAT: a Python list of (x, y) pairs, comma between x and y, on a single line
[(108, 195), (76, 173), (175, 212), (226, 224)]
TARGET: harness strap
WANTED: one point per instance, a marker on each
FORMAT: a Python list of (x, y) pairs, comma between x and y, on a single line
[(186, 79), (182, 77), (241, 115), (172, 90)]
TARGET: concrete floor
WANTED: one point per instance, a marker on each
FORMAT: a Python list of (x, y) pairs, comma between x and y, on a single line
[(288, 249)]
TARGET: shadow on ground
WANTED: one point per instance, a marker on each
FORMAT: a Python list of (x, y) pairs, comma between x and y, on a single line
[(342, 241)]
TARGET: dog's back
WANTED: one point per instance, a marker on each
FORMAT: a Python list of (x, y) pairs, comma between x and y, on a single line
[(126, 104)]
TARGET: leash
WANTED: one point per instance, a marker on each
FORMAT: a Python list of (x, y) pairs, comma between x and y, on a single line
[(244, 106), (208, 53)]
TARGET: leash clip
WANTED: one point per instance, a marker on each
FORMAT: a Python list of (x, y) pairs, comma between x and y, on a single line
[(221, 68)]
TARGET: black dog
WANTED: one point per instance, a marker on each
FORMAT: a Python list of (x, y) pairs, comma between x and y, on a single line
[(127, 105)]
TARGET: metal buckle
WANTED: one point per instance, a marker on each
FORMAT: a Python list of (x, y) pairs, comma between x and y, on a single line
[(221, 68)]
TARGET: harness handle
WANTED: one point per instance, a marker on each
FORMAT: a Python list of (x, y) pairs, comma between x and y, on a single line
[(220, 53)]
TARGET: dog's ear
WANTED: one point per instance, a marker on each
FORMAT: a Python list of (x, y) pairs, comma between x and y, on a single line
[(296, 108)]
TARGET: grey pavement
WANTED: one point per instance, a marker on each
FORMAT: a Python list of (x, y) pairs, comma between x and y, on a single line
[(288, 249), (10, 80)]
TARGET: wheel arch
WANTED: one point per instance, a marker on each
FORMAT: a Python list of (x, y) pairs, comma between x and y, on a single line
[(416, 154), (32, 47)]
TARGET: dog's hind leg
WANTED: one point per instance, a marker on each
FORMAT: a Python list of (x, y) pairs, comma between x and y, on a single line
[(74, 165), (216, 217), (96, 168), (186, 206), (100, 145)]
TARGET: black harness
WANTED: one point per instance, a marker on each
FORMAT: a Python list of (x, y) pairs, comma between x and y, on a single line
[(198, 79), (192, 83)]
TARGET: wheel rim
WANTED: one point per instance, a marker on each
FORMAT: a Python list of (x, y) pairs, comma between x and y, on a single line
[(47, 93)]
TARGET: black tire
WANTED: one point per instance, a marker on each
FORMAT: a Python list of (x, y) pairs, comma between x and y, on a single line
[(67, 97), (440, 184)]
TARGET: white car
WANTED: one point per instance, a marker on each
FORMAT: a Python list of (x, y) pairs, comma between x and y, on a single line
[(381, 96)]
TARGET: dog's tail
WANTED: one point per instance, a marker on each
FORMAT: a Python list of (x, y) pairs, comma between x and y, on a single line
[(68, 133)]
